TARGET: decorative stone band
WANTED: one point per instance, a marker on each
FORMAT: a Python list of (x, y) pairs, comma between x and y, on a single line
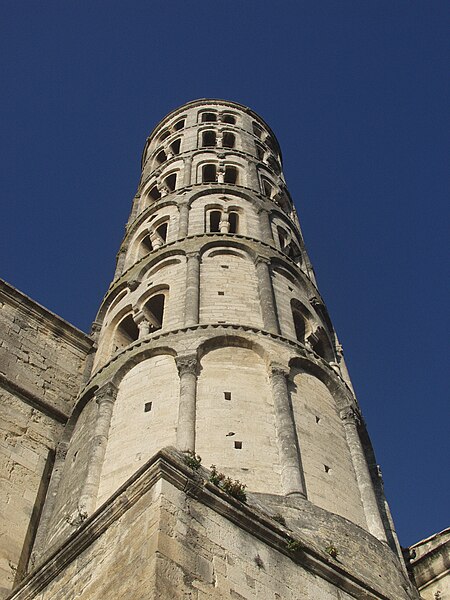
[(105, 398), (187, 369), (352, 419), (292, 477)]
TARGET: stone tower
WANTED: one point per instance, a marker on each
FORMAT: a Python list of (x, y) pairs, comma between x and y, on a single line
[(213, 339)]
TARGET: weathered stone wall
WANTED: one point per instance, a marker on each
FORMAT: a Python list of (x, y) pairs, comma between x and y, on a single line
[(169, 533), (41, 366), (430, 566)]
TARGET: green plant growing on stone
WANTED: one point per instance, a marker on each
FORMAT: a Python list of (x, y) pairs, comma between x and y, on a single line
[(332, 551), (293, 545), (192, 460), (233, 488)]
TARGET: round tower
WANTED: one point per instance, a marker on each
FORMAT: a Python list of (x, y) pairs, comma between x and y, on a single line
[(213, 338)]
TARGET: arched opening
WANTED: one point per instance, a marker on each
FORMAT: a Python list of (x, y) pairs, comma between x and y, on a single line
[(126, 333), (146, 245), (215, 217), (208, 139), (299, 325), (321, 346), (175, 146), (231, 175), (209, 117), (154, 193), (164, 135), (283, 237), (162, 231), (257, 130), (273, 164), (154, 311), (171, 181), (260, 152), (233, 219), (179, 125), (209, 173), (228, 140), (161, 157), (229, 119), (267, 187)]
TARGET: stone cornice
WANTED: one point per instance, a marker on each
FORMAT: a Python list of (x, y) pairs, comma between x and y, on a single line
[(68, 332), (169, 465)]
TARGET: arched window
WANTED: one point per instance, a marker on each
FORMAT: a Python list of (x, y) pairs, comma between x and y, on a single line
[(146, 245), (283, 237), (260, 152), (125, 334), (321, 345), (231, 119), (267, 187), (215, 216), (233, 219), (209, 117), (228, 140), (161, 157), (171, 181), (299, 321), (154, 193), (179, 125), (164, 135), (162, 231), (175, 146), (273, 164), (153, 309), (257, 130), (231, 175), (209, 173), (208, 139)]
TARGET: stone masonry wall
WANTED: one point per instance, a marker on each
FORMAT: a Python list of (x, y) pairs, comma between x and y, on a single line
[(41, 367)]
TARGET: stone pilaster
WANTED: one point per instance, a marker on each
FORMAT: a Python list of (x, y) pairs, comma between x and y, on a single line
[(187, 370), (187, 171), (266, 294), (183, 219), (351, 420), (292, 476), (105, 398), (264, 226), (192, 301)]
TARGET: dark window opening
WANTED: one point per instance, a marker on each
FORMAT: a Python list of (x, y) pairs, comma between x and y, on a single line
[(231, 175), (171, 181), (209, 173), (221, 293), (154, 193), (164, 136), (229, 119), (282, 237), (127, 332), (233, 220), (208, 139), (267, 188), (215, 217), (146, 244), (259, 151), (179, 125), (326, 468), (154, 311), (227, 395), (257, 130), (175, 146), (209, 117), (273, 164), (162, 231), (238, 445), (269, 142), (147, 406), (317, 419), (228, 140), (299, 325), (161, 157)]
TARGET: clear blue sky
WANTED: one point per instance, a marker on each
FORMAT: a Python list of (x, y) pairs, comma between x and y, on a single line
[(357, 93)]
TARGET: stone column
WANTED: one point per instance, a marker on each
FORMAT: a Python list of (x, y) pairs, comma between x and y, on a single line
[(192, 302), (187, 171), (264, 226), (143, 325), (266, 295), (292, 476), (105, 398), (120, 263), (50, 499), (187, 370), (224, 225), (351, 421), (183, 219)]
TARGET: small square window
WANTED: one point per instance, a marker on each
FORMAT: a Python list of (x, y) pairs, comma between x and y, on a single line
[(221, 293), (227, 395), (225, 266), (238, 445), (148, 406), (327, 468)]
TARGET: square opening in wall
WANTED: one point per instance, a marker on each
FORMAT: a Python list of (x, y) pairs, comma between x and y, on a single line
[(238, 445), (227, 395), (221, 293), (147, 406)]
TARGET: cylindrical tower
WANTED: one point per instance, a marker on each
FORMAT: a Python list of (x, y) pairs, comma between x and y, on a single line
[(213, 338)]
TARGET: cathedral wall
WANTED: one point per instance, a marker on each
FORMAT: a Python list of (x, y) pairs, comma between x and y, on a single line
[(228, 288), (235, 406), (41, 365), (144, 420), (329, 474)]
